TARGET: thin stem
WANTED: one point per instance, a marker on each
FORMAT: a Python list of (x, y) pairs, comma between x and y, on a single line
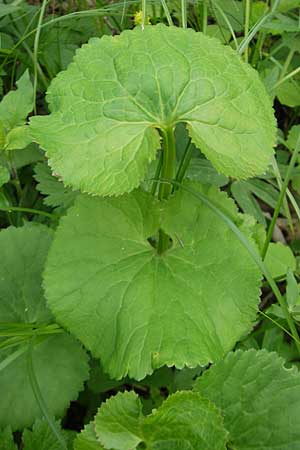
[(29, 211), (277, 324), (246, 41), (167, 172), (167, 12), (12, 357), (144, 13), (40, 399), (157, 174), (228, 24), (287, 77), (169, 153), (281, 197), (285, 202), (246, 26), (184, 163), (204, 17), (183, 14), (258, 47), (287, 63), (35, 52)]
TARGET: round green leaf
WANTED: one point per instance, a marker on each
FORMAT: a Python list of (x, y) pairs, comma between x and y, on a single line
[(107, 106), (138, 310), (120, 424), (259, 397), (59, 362)]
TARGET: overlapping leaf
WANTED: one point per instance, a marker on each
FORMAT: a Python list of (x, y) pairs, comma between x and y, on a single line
[(106, 108), (121, 425), (138, 310), (87, 439), (59, 362), (259, 397)]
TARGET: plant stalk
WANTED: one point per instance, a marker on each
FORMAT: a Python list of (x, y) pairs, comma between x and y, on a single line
[(280, 198), (184, 163), (167, 172)]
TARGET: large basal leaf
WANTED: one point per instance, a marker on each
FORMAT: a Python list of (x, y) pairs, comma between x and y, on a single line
[(259, 397), (138, 310), (59, 363), (106, 108), (185, 421)]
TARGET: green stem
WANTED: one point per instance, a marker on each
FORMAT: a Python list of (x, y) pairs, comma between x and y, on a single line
[(167, 13), (184, 163), (285, 202), (167, 172), (258, 47), (183, 13), (204, 17), (287, 63), (144, 13), (157, 174), (169, 153), (257, 26), (281, 197), (35, 52), (287, 77), (40, 399), (29, 211), (246, 26)]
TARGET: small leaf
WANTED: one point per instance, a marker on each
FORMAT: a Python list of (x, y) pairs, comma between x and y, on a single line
[(241, 192), (28, 155), (279, 259), (259, 398), (4, 175), (59, 362), (42, 437), (18, 138), (138, 310), (16, 105), (107, 106), (56, 193), (120, 424), (293, 137), (288, 93), (87, 439)]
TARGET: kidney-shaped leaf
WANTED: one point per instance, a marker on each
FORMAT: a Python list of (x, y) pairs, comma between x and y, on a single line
[(59, 362), (106, 107), (185, 421), (259, 397), (138, 310)]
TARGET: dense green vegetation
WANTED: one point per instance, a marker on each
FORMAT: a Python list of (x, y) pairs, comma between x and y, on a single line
[(149, 214)]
